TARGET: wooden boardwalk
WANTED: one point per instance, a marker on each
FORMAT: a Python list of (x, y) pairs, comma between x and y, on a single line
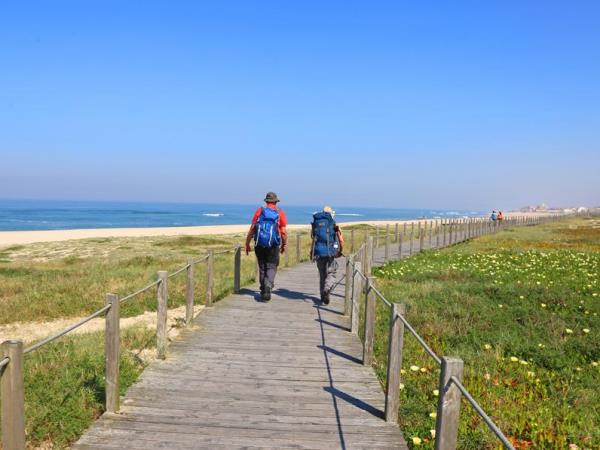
[(286, 374)]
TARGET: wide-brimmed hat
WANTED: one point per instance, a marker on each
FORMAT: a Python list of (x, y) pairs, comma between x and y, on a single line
[(271, 197), (329, 209)]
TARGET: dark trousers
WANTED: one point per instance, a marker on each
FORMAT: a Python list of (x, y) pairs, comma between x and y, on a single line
[(268, 260)]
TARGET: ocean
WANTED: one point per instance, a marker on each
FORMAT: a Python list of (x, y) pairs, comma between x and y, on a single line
[(67, 215)]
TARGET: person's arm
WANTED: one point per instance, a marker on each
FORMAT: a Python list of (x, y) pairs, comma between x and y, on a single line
[(283, 230), (249, 237), (340, 236), (252, 230), (283, 233)]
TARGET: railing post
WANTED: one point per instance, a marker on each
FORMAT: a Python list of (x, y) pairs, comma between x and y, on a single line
[(397, 232), (237, 269), (369, 323), (448, 410), (395, 346), (444, 226), (368, 260), (111, 345), (210, 264), (421, 238), (387, 243), (352, 240), (437, 234), (161, 323), (12, 392), (430, 233), (400, 246), (348, 287), (298, 253), (374, 245), (189, 293), (412, 238), (356, 290)]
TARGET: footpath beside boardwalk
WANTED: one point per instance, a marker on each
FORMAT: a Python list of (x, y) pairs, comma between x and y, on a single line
[(286, 374)]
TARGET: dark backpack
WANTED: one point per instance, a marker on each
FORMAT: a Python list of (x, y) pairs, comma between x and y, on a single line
[(267, 229), (325, 238)]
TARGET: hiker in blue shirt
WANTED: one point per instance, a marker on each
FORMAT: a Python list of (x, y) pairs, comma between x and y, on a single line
[(493, 217), (327, 244)]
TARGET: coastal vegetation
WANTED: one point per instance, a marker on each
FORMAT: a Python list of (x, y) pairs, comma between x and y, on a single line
[(521, 309)]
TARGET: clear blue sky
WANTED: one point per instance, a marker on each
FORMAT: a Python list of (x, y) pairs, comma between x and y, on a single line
[(407, 104)]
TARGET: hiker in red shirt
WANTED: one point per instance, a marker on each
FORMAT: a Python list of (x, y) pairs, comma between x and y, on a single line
[(270, 239)]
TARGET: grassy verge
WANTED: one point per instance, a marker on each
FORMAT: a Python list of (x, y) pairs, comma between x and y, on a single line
[(521, 309)]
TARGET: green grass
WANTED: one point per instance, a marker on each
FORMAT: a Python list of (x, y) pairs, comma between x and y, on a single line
[(65, 388), (521, 309)]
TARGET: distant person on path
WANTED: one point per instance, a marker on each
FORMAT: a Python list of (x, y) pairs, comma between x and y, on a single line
[(270, 238), (493, 216), (327, 244), (500, 216)]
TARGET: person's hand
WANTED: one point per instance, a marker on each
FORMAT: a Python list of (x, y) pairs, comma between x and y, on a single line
[(247, 249), (283, 248)]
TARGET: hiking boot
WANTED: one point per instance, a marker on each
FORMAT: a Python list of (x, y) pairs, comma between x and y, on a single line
[(266, 296), (325, 298)]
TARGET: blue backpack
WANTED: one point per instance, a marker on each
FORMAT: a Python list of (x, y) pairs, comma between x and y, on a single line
[(267, 229), (325, 238)]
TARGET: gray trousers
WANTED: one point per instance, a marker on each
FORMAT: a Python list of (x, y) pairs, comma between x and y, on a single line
[(268, 260), (327, 267)]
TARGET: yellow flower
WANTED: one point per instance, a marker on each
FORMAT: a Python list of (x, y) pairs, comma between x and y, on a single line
[(514, 358), (423, 369), (595, 363), (521, 297), (401, 386), (433, 415), (524, 362), (436, 392), (578, 369), (487, 346), (586, 330), (402, 371), (414, 368), (543, 305), (432, 433), (416, 440), (499, 305), (531, 374)]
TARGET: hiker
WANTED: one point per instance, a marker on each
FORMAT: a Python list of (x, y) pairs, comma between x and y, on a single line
[(500, 216), (327, 244), (270, 238), (493, 217)]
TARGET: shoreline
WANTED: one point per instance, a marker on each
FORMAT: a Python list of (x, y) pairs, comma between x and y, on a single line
[(10, 238)]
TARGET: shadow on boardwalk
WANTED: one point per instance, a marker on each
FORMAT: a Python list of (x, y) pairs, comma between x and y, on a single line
[(275, 375)]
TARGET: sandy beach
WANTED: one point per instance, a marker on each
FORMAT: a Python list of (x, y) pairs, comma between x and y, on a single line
[(9, 238)]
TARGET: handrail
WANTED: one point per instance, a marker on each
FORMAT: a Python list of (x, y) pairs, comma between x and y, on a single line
[(482, 413), (66, 330), (144, 289), (102, 310), (4, 362), (421, 341), (177, 272)]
